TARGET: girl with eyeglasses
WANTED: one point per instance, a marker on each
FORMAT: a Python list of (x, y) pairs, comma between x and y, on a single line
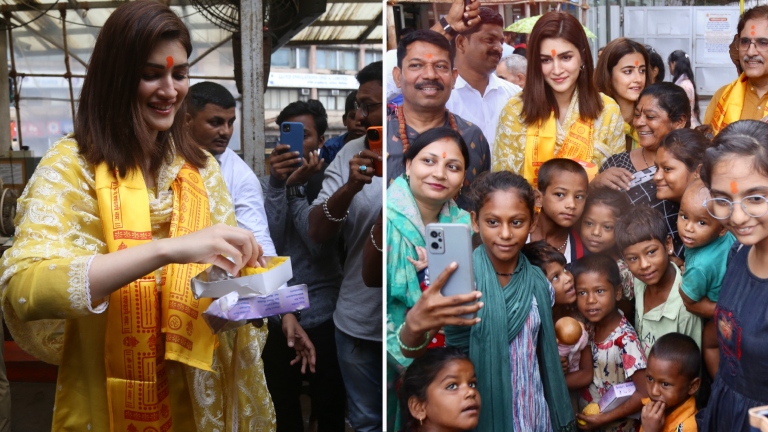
[(735, 170)]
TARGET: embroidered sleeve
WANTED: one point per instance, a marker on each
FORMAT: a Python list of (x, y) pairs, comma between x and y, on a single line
[(509, 147), (609, 138), (219, 199)]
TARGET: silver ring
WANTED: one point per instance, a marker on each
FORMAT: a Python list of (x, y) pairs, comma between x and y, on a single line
[(360, 152), (363, 168)]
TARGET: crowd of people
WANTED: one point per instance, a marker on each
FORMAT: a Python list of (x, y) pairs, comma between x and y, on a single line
[(597, 195), (143, 196)]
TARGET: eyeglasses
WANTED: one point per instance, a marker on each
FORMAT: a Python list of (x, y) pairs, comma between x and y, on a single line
[(761, 44), (720, 208), (365, 109)]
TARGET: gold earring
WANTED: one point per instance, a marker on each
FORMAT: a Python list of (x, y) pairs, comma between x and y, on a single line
[(421, 422)]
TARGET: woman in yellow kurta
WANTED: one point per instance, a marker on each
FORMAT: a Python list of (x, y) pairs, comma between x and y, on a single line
[(114, 222), (560, 113)]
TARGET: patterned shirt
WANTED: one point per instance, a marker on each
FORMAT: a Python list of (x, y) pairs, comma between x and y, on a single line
[(645, 194), (614, 361), (479, 152), (509, 149)]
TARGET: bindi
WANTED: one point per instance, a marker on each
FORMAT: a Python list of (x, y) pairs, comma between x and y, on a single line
[(637, 63), (429, 56), (554, 53), (734, 187), (169, 62), (444, 155)]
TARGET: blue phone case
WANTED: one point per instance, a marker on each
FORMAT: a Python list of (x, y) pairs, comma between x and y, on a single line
[(292, 133)]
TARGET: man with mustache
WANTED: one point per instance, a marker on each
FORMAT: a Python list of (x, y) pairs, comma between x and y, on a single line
[(479, 95), (747, 97), (210, 120), (426, 75)]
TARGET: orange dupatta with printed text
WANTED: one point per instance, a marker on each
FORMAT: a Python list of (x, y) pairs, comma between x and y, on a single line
[(540, 147), (138, 316), (730, 105)]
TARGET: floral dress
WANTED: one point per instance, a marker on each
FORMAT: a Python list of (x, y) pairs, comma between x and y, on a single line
[(614, 360)]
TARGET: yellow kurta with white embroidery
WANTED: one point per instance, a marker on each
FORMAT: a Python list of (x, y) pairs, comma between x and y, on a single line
[(48, 308), (509, 147)]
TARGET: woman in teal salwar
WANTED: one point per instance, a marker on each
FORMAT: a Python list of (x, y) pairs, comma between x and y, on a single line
[(512, 340), (434, 172)]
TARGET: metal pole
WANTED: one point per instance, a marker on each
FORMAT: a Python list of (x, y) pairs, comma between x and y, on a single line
[(12, 74), (5, 97), (252, 33), (68, 75)]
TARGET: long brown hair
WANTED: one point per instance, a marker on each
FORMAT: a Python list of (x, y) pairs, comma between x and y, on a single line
[(612, 54), (109, 126), (558, 25)]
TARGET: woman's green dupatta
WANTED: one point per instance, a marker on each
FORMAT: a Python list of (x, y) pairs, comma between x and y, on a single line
[(503, 316)]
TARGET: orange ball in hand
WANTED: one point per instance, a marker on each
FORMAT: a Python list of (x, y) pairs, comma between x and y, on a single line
[(568, 331)]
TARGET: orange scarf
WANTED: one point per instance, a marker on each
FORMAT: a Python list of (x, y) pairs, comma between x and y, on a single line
[(145, 328)]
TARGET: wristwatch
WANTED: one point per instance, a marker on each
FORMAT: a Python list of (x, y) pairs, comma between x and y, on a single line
[(447, 27), (295, 191), (297, 314)]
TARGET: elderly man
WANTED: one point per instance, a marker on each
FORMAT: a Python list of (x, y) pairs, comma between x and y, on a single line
[(747, 97), (513, 69), (479, 95), (425, 74)]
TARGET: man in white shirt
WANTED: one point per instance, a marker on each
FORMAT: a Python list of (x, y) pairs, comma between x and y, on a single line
[(210, 119), (479, 95)]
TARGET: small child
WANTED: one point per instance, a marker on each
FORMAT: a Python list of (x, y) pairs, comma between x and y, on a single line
[(672, 380), (642, 238), (561, 194), (438, 392), (604, 206), (616, 351), (707, 242), (579, 356)]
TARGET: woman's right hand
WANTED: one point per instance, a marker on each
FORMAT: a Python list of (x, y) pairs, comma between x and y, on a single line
[(614, 178), (211, 245), (433, 310)]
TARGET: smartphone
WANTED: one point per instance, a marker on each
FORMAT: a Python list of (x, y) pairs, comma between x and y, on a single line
[(375, 134), (292, 133), (447, 243)]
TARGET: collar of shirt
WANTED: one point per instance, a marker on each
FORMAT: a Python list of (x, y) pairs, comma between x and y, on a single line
[(494, 82), (670, 308)]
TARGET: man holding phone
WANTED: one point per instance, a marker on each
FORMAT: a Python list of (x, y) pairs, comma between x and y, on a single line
[(289, 189), (347, 207), (211, 119)]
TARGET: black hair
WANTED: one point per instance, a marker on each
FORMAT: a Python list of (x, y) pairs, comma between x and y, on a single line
[(487, 16), (429, 36), (540, 253), (436, 134), (671, 98), (206, 92), (372, 72), (744, 138), (312, 107), (641, 224), (656, 62), (598, 263), (419, 375), (520, 51), (683, 67), (687, 146), (349, 103), (615, 200), (556, 166), (489, 182), (680, 349)]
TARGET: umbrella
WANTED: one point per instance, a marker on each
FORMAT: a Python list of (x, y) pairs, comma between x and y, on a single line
[(525, 25)]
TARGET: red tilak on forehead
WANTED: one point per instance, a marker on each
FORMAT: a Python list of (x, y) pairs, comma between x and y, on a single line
[(734, 187), (636, 63), (169, 61), (554, 53), (444, 155), (429, 56)]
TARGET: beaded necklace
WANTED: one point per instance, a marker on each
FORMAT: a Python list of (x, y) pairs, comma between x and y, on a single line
[(404, 133)]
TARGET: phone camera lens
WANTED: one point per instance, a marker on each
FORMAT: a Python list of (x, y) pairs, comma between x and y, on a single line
[(286, 128), (433, 234), (435, 245), (373, 135)]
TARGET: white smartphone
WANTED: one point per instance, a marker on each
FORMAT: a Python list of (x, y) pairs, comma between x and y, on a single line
[(447, 243)]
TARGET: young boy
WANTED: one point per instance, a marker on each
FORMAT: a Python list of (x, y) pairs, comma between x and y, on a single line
[(706, 245), (672, 380), (616, 351), (562, 190), (641, 236)]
